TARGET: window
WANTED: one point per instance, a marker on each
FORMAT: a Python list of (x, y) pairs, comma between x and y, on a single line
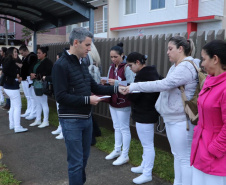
[(85, 24), (130, 6), (157, 4), (105, 19), (181, 2)]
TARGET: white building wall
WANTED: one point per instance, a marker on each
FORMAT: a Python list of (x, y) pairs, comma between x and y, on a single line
[(207, 26), (179, 28), (145, 15), (211, 7)]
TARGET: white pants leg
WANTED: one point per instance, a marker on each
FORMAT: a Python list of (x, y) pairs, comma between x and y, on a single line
[(26, 93), (180, 142), (121, 124), (1, 94), (15, 107), (57, 105), (32, 96), (146, 135), (199, 177), (42, 105)]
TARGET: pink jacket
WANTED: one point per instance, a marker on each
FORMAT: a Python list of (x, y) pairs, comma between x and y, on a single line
[(208, 152)]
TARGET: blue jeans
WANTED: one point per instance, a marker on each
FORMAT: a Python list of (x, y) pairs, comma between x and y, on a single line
[(78, 135)]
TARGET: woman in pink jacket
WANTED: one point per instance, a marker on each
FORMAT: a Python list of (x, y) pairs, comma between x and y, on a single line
[(208, 155)]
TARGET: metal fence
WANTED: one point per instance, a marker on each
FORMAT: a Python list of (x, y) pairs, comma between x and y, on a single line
[(154, 46)]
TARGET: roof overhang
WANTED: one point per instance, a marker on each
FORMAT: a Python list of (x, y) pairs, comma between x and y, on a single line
[(171, 22), (45, 14)]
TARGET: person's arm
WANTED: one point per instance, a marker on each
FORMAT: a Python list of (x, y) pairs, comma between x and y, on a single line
[(217, 147), (129, 75), (181, 75)]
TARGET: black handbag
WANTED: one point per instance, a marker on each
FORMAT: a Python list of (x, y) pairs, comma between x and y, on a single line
[(38, 87), (47, 88)]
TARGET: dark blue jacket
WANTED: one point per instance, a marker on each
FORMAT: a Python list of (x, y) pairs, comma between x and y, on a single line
[(73, 85)]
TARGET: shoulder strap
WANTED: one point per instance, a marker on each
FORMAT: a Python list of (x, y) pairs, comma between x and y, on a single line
[(182, 90), (192, 64)]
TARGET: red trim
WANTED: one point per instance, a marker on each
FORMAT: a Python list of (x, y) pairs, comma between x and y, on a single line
[(164, 23), (193, 8), (191, 26)]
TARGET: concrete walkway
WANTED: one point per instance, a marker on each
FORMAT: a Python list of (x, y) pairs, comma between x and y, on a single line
[(37, 158)]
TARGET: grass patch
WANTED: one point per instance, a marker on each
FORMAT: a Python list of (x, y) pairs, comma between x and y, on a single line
[(163, 166), (6, 177)]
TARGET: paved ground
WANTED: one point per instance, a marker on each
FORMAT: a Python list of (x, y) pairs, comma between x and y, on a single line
[(37, 158)]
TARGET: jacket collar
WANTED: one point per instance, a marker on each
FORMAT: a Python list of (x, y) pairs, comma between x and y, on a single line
[(72, 58), (119, 66), (215, 80)]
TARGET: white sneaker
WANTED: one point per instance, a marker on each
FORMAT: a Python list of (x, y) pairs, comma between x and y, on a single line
[(24, 115), (60, 136), (11, 127), (44, 124), (121, 160), (57, 131), (113, 155), (142, 179), (20, 129), (138, 169), (35, 123), (30, 117)]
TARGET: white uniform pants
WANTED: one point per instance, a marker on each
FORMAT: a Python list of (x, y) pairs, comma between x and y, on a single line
[(25, 87), (121, 124), (199, 177), (1, 94), (180, 142), (145, 133), (15, 107), (32, 101), (41, 105), (57, 105)]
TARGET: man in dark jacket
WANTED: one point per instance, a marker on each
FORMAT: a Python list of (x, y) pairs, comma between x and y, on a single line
[(73, 86), (29, 58)]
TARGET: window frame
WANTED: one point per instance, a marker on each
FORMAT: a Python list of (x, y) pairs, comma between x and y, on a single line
[(126, 6), (156, 8)]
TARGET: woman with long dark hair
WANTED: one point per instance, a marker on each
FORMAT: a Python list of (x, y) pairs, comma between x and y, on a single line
[(40, 70), (208, 153), (11, 70)]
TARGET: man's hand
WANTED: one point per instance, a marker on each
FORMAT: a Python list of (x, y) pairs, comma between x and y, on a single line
[(19, 65), (123, 90), (20, 79), (102, 81), (94, 100), (111, 81)]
